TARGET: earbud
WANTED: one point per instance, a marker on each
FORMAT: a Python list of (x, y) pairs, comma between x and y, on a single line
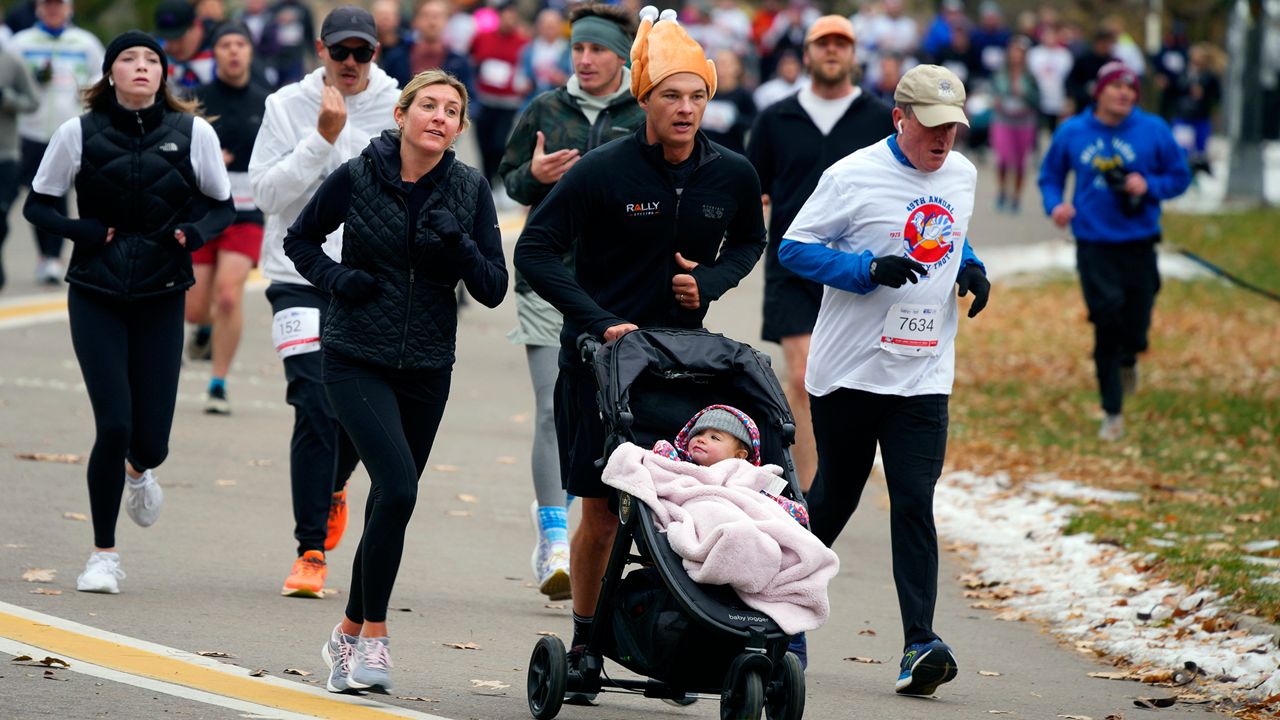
[(900, 130)]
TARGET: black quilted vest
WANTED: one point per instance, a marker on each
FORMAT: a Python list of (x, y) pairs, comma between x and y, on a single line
[(412, 323), (135, 176)]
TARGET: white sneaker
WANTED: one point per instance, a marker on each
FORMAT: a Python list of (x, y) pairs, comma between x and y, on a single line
[(102, 574), (143, 498), (49, 271), (1112, 428)]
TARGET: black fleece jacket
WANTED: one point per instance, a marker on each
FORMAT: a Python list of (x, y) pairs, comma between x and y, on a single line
[(619, 211)]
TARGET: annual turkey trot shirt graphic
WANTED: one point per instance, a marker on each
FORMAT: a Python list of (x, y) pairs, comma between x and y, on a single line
[(930, 234), (889, 341), (1106, 154)]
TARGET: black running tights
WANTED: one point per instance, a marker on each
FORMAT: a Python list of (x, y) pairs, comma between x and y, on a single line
[(392, 421), (130, 353)]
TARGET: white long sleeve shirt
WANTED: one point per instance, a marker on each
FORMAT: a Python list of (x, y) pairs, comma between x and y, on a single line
[(290, 158), (75, 61)]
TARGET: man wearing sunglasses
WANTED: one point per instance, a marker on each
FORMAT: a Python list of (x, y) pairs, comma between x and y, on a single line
[(310, 128)]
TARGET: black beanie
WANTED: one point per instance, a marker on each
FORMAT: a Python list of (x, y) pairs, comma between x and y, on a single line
[(135, 38)]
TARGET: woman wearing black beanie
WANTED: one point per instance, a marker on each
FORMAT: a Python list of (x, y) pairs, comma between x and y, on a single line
[(151, 186)]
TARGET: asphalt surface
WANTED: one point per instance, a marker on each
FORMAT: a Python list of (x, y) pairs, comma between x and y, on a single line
[(206, 577)]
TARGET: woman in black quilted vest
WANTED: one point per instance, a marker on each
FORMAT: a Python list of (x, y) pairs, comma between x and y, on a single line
[(151, 186), (415, 222)]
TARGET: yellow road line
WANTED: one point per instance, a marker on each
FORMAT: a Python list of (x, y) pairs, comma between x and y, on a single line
[(135, 661), (33, 308)]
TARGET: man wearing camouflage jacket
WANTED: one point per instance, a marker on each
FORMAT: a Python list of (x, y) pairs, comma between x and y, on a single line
[(558, 127)]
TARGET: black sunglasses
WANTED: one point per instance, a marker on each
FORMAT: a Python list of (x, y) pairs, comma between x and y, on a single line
[(340, 53)]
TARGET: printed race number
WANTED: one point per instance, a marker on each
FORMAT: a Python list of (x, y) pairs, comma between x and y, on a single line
[(912, 330), (295, 331)]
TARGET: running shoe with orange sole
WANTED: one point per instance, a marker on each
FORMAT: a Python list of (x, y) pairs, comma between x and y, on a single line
[(307, 577), (337, 520)]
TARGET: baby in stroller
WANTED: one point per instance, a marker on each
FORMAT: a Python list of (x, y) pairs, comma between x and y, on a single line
[(722, 432)]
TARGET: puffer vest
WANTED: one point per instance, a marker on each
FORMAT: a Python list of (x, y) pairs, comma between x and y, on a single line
[(412, 323), (135, 176)]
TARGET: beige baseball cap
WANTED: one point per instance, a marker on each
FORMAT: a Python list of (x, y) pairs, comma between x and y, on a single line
[(935, 95)]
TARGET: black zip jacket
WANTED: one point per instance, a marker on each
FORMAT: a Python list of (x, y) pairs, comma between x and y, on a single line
[(410, 322), (237, 115), (790, 153), (617, 209)]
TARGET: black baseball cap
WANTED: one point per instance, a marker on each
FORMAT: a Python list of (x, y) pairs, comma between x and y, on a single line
[(349, 22), (173, 18)]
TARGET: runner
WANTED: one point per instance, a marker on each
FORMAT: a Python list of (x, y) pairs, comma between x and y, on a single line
[(145, 171), (64, 60), (616, 211), (310, 128), (593, 108), (17, 95), (222, 266), (885, 231), (407, 209)]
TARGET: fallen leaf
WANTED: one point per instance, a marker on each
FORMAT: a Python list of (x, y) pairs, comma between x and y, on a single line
[(1193, 698), (506, 460), (46, 591), (867, 631), (51, 675), (326, 592), (67, 458), (489, 684), (260, 462), (464, 497), (224, 483), (1153, 703), (1000, 712), (258, 673), (445, 468), (462, 646), (21, 658), (547, 633), (401, 609), (1112, 675), (296, 671), (215, 654), (554, 606), (40, 575), (415, 698), (458, 513), (869, 661), (1075, 717), (49, 661), (74, 516), (989, 673)]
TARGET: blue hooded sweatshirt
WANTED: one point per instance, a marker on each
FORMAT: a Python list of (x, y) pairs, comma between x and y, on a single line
[(1141, 143)]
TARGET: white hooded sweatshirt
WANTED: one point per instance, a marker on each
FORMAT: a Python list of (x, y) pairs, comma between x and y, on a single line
[(290, 158)]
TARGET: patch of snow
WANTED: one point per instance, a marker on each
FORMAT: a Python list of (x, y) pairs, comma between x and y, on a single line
[(1091, 593)]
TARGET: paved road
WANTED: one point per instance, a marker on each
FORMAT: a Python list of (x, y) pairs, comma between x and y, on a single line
[(206, 576)]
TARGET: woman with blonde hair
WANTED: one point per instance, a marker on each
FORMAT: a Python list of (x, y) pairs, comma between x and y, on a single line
[(415, 222), (151, 187)]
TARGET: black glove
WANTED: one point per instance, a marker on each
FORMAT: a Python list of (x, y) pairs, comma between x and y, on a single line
[(973, 279), (195, 238), (44, 73), (445, 226), (894, 270), (355, 286)]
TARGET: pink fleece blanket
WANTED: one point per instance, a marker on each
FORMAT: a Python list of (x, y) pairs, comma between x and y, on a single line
[(729, 534)]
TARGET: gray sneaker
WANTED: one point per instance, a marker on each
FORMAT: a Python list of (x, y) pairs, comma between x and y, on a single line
[(337, 654), (1112, 428), (143, 498), (371, 665)]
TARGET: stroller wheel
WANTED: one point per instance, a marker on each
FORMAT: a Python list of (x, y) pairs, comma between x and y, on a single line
[(745, 700), (547, 677), (786, 690)]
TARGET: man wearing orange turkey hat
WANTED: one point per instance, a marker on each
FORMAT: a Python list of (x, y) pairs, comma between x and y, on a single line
[(616, 211)]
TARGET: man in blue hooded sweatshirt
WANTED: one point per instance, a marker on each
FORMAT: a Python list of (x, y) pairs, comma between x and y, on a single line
[(1126, 162)]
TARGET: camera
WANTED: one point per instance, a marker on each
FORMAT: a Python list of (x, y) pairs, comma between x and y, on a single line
[(1130, 204)]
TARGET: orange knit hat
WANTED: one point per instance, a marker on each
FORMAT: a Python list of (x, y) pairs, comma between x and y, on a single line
[(661, 49)]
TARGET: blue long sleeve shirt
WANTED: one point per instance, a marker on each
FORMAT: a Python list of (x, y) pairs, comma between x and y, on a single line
[(850, 272), (1142, 143)]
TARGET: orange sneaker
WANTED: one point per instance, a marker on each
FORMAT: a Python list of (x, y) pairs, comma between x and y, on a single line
[(337, 520), (307, 577)]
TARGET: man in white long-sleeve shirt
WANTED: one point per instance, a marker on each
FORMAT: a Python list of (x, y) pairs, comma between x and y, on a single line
[(310, 128)]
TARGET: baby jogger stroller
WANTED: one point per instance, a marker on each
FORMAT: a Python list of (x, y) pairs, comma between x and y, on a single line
[(684, 637)]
